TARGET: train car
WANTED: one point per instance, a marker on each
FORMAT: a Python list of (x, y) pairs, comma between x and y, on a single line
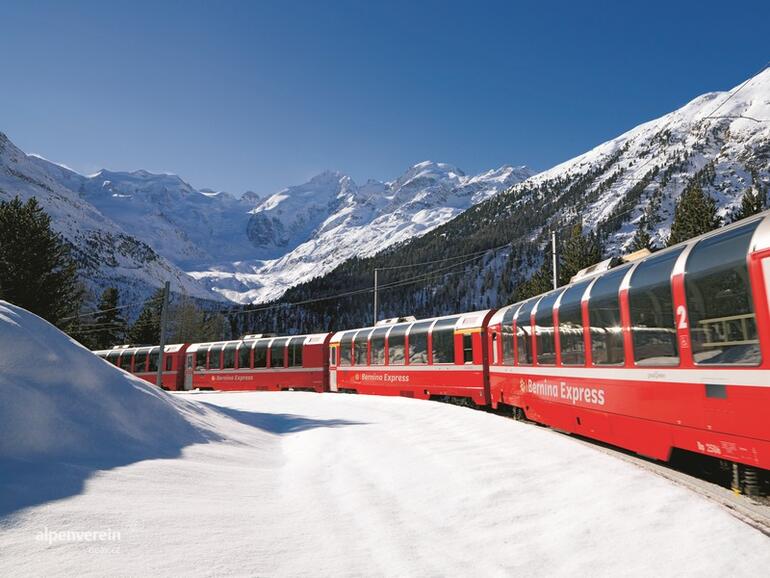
[(438, 358), (668, 352), (298, 362), (143, 362)]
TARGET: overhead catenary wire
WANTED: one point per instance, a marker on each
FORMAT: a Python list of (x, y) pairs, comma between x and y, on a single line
[(97, 311)]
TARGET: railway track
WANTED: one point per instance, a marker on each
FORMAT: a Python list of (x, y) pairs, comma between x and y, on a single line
[(751, 512)]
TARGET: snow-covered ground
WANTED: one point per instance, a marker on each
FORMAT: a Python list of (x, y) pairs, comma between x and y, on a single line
[(101, 474)]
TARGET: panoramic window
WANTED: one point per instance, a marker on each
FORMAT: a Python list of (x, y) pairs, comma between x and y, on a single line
[(140, 360), (571, 340), (396, 341), (260, 353), (524, 332), (360, 347), (229, 356), (295, 351), (215, 357), (125, 359), (467, 348), (418, 343), (721, 310), (506, 335), (278, 352), (444, 340), (154, 359), (346, 348), (377, 344), (604, 317), (544, 332), (244, 354), (113, 356), (651, 304)]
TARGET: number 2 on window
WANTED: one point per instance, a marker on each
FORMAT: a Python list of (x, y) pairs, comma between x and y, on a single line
[(681, 314)]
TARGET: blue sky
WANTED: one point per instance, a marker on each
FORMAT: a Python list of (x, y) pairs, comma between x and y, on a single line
[(259, 95)]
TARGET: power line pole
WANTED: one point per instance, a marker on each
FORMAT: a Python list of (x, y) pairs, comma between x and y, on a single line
[(163, 321), (555, 260), (375, 296)]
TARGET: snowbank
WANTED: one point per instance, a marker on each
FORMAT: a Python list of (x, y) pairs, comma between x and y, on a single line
[(66, 414), (59, 401)]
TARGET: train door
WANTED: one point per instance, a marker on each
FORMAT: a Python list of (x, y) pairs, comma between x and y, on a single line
[(333, 368), (188, 372)]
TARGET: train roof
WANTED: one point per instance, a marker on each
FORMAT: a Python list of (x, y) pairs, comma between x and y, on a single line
[(470, 320), (310, 339), (171, 348)]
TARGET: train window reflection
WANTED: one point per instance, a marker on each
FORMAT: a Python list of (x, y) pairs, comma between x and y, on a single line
[(260, 353), (524, 333), (604, 317), (278, 352), (653, 327), (295, 351), (396, 340), (244, 354), (215, 357), (571, 342), (154, 359), (229, 356), (444, 340), (140, 360), (360, 347), (113, 356), (346, 348), (506, 335), (418, 343), (721, 311), (125, 359), (467, 348), (544, 333), (377, 344)]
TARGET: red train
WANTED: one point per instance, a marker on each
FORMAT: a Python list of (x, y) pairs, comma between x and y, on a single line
[(668, 351)]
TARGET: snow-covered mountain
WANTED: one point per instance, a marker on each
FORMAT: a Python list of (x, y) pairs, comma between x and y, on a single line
[(191, 228), (720, 139), (109, 254), (133, 229), (305, 231)]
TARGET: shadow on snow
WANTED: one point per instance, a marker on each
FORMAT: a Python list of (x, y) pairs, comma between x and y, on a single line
[(279, 423)]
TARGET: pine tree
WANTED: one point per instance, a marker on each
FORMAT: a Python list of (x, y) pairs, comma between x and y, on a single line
[(753, 202), (580, 251), (146, 328), (37, 271), (110, 324), (695, 214), (642, 238)]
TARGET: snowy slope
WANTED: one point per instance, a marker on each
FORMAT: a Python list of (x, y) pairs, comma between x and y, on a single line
[(303, 232), (721, 139), (109, 255), (249, 249), (93, 411), (303, 484), (189, 227)]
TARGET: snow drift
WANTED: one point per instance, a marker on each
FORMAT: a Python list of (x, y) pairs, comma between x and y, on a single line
[(65, 413), (61, 401)]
